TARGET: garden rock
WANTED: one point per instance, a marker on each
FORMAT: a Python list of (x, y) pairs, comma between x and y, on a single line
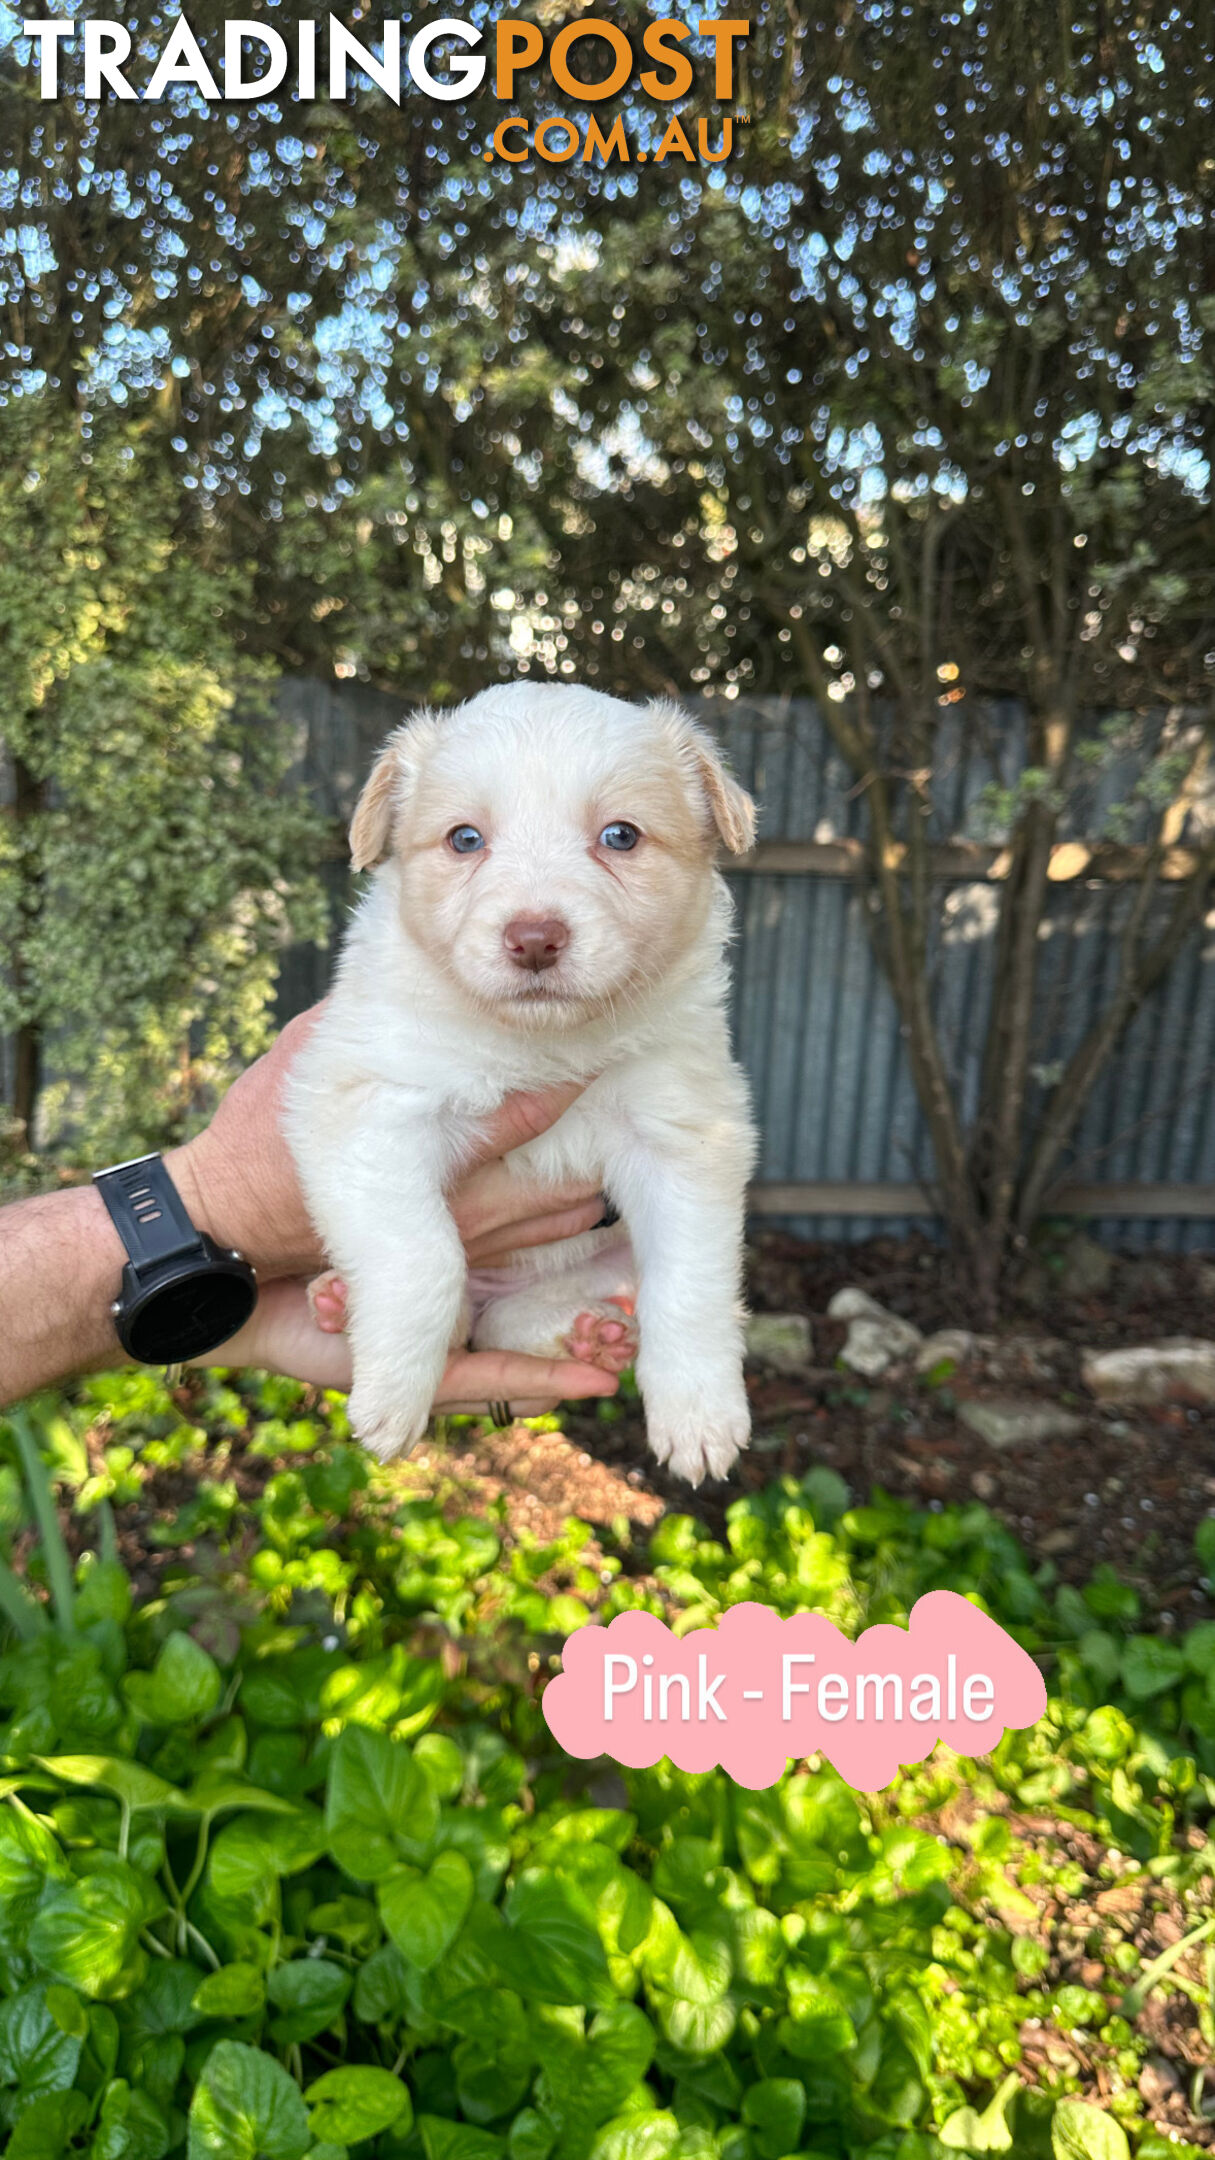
[(1024, 1357), (783, 1342), (854, 1304), (877, 1339), (1181, 1368), (1012, 1423), (951, 1345), (1159, 2080)]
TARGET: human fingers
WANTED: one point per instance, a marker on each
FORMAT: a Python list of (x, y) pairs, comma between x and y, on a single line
[(567, 1222), (282, 1336), (493, 1376), (523, 1117), (495, 1196), (479, 1377)]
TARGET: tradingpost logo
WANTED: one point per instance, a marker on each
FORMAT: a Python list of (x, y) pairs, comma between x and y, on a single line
[(448, 60)]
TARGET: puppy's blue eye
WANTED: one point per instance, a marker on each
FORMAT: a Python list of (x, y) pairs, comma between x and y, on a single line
[(620, 837), (465, 840)]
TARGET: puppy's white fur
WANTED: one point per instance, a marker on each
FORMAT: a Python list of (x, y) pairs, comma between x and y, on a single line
[(430, 1024)]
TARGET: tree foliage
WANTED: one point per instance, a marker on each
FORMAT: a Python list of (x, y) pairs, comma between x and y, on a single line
[(151, 863)]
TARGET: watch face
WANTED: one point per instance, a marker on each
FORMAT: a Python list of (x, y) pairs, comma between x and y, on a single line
[(188, 1318)]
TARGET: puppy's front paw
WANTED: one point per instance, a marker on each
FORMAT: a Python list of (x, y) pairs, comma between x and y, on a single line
[(702, 1436), (385, 1422), (327, 1302)]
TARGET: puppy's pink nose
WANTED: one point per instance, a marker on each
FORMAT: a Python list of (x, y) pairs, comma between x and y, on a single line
[(535, 941)]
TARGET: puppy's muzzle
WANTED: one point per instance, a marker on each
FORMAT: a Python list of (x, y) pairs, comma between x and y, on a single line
[(535, 942)]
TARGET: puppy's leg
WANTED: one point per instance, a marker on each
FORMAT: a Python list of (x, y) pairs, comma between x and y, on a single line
[(327, 1302), (374, 1190), (574, 1299), (564, 1316), (681, 1187)]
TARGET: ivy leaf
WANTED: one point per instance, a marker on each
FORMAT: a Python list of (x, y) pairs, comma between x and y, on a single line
[(697, 2028), (252, 1851), (583, 2082), (489, 2086), (246, 2107), (530, 2137), (442, 1761), (36, 2054), (550, 1949), (46, 2127), (380, 1994), (183, 1686), (424, 1913), (1081, 2132), (775, 2108), (1198, 1647), (310, 1993), (700, 1968), (163, 2006), (130, 2126), (235, 1991), (129, 1782), (444, 2140), (1149, 1666), (968, 2131), (1102, 1653), (351, 1921), (650, 2134), (380, 1807), (68, 2011), (358, 2102), (86, 1933), (29, 1858), (217, 1790), (157, 2065), (104, 1593)]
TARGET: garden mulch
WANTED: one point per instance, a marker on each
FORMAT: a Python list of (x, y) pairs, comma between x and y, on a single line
[(1130, 1489)]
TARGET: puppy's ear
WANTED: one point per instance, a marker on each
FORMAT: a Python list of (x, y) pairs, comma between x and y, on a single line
[(729, 805), (732, 807), (385, 792), (371, 827)]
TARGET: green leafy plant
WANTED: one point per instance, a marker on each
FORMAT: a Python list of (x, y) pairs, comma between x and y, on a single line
[(278, 1879), (154, 858)]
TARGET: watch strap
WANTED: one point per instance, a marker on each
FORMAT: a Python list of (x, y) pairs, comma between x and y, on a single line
[(148, 1212)]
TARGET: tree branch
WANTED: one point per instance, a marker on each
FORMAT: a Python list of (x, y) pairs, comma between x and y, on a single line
[(1138, 976)]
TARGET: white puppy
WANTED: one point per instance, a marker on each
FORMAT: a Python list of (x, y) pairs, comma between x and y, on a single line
[(544, 908)]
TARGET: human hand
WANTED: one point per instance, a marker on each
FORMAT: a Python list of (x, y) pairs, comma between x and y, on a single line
[(238, 1182), (238, 1179), (284, 1336)]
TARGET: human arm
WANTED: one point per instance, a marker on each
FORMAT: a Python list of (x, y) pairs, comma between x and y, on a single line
[(61, 1259)]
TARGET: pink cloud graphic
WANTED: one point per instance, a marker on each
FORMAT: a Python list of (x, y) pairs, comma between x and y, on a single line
[(756, 1690)]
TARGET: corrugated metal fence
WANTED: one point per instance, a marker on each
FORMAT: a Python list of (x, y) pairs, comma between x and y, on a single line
[(816, 1026)]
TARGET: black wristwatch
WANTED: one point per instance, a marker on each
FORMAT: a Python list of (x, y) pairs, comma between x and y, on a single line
[(181, 1295)]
